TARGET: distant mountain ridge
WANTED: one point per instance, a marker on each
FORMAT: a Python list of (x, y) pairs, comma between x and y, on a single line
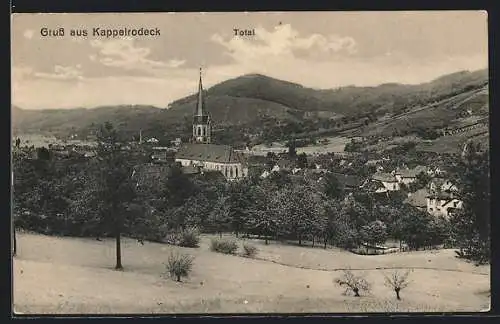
[(247, 99)]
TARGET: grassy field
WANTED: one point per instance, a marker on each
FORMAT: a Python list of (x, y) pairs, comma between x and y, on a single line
[(335, 144), (74, 275)]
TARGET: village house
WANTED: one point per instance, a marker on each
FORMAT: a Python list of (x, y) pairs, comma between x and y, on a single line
[(161, 154), (437, 185), (443, 204), (385, 182), (408, 176), (418, 199), (202, 154), (436, 202), (376, 163), (153, 140), (275, 168)]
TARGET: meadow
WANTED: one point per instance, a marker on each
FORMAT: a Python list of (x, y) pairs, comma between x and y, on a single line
[(57, 275)]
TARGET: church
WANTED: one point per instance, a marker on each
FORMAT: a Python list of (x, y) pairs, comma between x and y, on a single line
[(202, 153)]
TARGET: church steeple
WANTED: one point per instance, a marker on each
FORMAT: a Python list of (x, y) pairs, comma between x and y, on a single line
[(201, 119), (200, 104)]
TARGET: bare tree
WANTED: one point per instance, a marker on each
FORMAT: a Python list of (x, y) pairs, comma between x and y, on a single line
[(356, 284), (397, 281)]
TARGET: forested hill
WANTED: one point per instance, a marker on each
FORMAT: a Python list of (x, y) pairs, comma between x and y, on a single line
[(249, 98)]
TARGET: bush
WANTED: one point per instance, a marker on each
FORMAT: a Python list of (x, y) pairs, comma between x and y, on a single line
[(249, 250), (475, 250), (189, 238), (179, 265), (227, 246)]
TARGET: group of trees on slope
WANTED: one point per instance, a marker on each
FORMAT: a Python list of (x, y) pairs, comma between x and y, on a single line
[(102, 197)]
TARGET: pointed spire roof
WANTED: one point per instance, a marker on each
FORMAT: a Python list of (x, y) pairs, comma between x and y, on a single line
[(199, 106)]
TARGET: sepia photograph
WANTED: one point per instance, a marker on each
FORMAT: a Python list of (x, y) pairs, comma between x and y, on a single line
[(250, 162)]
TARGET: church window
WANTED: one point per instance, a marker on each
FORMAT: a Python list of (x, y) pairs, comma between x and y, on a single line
[(199, 131), (236, 170), (231, 172)]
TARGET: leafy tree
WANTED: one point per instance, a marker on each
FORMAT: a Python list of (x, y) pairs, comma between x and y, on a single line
[(241, 202), (472, 222), (177, 187), (302, 160), (439, 231), (115, 186), (321, 224), (265, 217), (43, 153), (220, 214), (331, 212), (297, 209), (374, 233), (292, 148), (280, 178), (413, 226), (343, 230), (332, 187), (192, 213), (356, 212)]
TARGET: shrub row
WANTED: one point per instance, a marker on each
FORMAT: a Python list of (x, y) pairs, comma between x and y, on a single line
[(230, 246)]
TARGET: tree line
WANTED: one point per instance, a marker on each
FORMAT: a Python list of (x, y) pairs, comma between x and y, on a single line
[(104, 197)]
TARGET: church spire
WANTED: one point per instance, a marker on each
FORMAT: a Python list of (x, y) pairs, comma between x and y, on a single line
[(201, 119), (199, 107)]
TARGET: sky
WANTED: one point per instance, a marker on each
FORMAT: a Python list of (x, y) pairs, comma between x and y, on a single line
[(316, 49)]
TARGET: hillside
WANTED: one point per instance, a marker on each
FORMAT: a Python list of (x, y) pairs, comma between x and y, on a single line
[(246, 99), (48, 278), (449, 112)]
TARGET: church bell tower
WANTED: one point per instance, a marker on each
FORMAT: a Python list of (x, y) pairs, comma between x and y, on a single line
[(201, 119)]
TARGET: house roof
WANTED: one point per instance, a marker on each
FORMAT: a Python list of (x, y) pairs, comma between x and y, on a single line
[(348, 181), (257, 159), (208, 152), (418, 198), (439, 181), (385, 177), (411, 173), (190, 170), (442, 195)]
